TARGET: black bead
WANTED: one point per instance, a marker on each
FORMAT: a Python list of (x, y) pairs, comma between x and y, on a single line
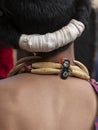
[(65, 69)]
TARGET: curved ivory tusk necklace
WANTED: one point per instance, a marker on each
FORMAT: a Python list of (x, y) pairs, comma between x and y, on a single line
[(33, 64)]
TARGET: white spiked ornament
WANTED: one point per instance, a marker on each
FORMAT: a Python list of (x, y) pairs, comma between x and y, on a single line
[(51, 41)]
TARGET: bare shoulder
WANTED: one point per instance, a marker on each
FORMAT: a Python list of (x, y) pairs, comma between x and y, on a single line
[(26, 99), (83, 88), (29, 84), (29, 87)]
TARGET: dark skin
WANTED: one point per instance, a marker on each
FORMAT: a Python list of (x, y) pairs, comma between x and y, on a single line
[(37, 102)]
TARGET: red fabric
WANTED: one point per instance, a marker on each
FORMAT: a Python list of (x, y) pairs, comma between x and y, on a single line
[(6, 61)]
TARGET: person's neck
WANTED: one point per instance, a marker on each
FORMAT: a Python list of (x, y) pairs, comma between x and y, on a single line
[(74, 68), (68, 54), (55, 57)]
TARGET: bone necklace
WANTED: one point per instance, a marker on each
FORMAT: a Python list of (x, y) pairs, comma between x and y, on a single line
[(34, 65)]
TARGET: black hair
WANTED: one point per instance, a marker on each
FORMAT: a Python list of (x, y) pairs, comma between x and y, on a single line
[(38, 16), (49, 15)]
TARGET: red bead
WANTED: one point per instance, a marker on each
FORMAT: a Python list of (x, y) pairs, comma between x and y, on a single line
[(62, 60)]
